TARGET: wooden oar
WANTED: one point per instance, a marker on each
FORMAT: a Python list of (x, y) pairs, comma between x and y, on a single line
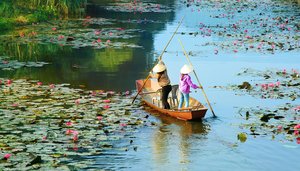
[(188, 58), (159, 58)]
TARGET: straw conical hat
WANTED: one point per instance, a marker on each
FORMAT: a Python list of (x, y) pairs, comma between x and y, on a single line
[(159, 67), (186, 69)]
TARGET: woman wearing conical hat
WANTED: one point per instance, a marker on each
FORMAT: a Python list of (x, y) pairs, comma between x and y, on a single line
[(164, 82), (184, 85)]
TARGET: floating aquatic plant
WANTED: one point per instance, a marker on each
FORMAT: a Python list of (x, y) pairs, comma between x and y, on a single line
[(7, 64), (50, 124)]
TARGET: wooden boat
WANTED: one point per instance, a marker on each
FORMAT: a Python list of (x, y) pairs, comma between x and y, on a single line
[(151, 96)]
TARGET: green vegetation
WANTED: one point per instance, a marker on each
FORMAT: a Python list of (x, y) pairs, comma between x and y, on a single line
[(20, 12)]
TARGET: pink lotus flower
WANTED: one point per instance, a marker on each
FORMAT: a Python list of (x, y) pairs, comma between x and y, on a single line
[(5, 62), (110, 92), (296, 132), (75, 138), (99, 40), (69, 131), (106, 106), (93, 93), (75, 132), (54, 29), (273, 46), (271, 85), (127, 93), (123, 124), (106, 101), (69, 123), (8, 82), (235, 51), (297, 127), (110, 33), (277, 84), (39, 83), (51, 86), (99, 118), (15, 104), (97, 32), (108, 41), (279, 128), (61, 37), (44, 138), (284, 71), (6, 156), (77, 101)]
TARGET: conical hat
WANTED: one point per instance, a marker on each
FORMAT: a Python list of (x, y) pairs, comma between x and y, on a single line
[(186, 69), (159, 68)]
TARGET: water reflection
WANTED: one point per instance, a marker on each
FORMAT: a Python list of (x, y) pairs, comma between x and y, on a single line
[(108, 69), (175, 139)]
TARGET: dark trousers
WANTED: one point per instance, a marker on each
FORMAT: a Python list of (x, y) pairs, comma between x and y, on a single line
[(165, 94)]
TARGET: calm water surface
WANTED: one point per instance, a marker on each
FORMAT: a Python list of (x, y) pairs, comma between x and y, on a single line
[(173, 144)]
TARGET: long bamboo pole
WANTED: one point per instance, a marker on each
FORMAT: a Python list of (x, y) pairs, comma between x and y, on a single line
[(159, 58), (188, 58)]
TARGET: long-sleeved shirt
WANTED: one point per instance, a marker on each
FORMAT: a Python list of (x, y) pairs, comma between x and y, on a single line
[(163, 80), (185, 83)]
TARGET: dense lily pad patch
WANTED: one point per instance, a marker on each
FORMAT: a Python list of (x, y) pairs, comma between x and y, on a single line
[(276, 84), (138, 6), (261, 33), (279, 123), (78, 34), (49, 125), (7, 64)]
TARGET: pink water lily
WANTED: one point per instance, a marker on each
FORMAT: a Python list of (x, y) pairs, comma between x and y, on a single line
[(5, 62), (297, 127), (284, 71), (127, 92), (8, 82), (54, 29), (51, 86), (123, 124), (296, 133), (44, 138), (298, 140), (279, 128), (99, 118), (15, 104), (108, 41), (69, 123), (77, 101), (106, 106), (69, 131), (106, 101), (6, 156), (98, 40), (97, 32), (39, 83), (75, 138)]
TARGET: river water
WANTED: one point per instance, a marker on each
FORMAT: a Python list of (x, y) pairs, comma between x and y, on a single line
[(174, 144)]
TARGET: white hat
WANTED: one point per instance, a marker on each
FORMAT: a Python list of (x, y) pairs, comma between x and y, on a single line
[(186, 69), (159, 67)]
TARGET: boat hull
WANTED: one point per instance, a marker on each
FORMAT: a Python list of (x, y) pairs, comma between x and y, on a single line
[(196, 111)]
